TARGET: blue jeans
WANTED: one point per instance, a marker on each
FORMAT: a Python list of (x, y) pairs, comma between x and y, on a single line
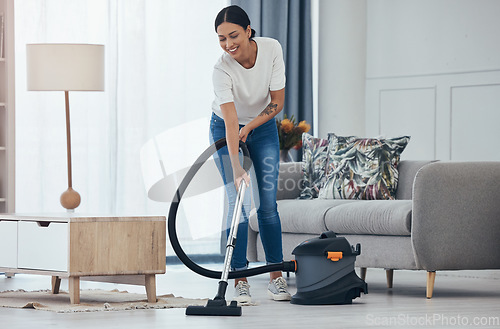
[(263, 146)]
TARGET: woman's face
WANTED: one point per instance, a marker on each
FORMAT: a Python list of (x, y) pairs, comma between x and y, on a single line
[(234, 39)]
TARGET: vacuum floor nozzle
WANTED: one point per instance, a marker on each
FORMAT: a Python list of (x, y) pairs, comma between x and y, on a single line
[(216, 307)]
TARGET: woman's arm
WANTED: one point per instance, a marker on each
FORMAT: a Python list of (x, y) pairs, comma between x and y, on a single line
[(274, 107), (232, 131)]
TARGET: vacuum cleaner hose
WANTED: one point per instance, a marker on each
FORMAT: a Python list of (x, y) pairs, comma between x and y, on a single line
[(172, 215)]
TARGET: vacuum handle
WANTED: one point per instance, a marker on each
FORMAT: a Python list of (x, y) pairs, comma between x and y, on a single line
[(327, 235), (231, 241)]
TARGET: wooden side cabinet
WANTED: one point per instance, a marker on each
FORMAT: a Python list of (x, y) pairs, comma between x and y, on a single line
[(121, 249)]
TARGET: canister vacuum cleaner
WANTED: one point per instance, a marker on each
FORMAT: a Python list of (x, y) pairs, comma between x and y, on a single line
[(324, 266)]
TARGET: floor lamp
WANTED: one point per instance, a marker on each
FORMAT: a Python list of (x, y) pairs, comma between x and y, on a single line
[(66, 67)]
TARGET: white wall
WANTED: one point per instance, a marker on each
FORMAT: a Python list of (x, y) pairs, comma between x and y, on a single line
[(341, 67), (425, 68), (433, 72)]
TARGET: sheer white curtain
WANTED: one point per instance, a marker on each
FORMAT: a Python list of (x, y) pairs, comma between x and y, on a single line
[(159, 60)]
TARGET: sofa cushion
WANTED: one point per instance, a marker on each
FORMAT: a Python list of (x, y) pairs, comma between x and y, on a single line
[(302, 216), (290, 180), (381, 217), (362, 168)]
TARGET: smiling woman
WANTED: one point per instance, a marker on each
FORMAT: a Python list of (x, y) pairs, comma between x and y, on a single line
[(249, 85)]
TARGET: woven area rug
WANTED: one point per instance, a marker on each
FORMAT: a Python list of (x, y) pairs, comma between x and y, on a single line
[(91, 301)]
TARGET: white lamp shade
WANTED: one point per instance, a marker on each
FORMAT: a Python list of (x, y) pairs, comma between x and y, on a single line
[(75, 67)]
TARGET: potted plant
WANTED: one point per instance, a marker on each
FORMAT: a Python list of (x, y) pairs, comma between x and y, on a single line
[(290, 135)]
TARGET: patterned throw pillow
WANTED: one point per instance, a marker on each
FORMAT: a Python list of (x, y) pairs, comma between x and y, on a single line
[(362, 168), (314, 156)]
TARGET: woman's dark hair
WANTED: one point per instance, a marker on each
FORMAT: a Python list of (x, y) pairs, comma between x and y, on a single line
[(233, 14)]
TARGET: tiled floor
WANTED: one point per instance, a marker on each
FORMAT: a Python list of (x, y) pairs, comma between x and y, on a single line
[(461, 300)]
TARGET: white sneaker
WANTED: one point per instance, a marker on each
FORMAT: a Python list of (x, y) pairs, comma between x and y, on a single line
[(242, 292), (278, 289)]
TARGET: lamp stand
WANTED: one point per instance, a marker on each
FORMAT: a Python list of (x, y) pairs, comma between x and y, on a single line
[(70, 199)]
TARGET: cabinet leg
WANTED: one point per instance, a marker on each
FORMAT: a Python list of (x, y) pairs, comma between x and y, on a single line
[(431, 277), (56, 283), (389, 274), (362, 273), (150, 283), (74, 289)]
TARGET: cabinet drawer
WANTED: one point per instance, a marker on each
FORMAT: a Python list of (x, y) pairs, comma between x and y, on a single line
[(42, 246), (8, 244)]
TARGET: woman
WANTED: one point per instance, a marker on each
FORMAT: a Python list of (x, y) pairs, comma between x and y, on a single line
[(249, 86)]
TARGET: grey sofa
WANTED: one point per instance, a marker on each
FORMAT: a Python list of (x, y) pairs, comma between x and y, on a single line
[(446, 216)]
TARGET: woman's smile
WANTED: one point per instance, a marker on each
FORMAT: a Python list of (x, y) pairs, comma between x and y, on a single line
[(233, 50)]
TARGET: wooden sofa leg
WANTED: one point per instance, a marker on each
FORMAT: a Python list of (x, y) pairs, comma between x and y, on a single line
[(362, 273), (389, 274), (431, 277)]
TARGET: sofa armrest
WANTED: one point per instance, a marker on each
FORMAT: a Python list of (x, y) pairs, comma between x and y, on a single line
[(456, 216), (290, 180)]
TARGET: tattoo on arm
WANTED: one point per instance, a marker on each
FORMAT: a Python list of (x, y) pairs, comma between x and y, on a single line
[(269, 109)]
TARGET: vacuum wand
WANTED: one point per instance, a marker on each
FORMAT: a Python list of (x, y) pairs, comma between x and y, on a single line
[(218, 305), (231, 241)]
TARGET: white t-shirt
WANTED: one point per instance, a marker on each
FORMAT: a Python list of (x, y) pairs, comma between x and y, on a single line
[(249, 89)]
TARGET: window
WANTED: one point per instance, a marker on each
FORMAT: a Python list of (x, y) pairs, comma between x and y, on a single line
[(159, 60)]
